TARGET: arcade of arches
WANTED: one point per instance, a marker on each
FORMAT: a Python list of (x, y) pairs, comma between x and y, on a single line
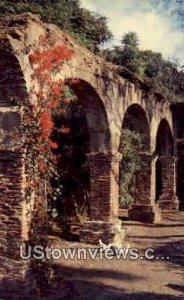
[(109, 104)]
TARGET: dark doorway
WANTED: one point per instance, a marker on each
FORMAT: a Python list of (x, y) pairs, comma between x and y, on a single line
[(164, 147)]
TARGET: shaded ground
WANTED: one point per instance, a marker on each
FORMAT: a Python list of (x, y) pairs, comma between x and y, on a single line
[(124, 279)]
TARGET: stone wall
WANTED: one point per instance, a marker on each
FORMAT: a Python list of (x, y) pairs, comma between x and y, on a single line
[(168, 199), (12, 268)]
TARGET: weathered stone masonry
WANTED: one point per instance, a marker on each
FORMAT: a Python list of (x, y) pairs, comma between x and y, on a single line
[(107, 99), (145, 208), (104, 179), (168, 199)]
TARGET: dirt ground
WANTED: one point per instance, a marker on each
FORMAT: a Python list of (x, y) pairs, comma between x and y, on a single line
[(103, 279)]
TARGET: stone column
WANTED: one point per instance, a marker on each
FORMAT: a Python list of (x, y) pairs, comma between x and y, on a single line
[(16, 274), (104, 197), (144, 208), (12, 268), (168, 199)]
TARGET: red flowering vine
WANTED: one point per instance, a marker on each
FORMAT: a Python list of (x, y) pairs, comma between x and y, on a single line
[(38, 121), (38, 126)]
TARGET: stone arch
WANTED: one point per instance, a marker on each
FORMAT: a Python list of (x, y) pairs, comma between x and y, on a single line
[(95, 112), (165, 168), (103, 164), (135, 119), (164, 147), (164, 139), (93, 152)]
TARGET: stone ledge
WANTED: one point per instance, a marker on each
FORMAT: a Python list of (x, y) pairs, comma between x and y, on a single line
[(145, 213), (92, 231), (166, 205)]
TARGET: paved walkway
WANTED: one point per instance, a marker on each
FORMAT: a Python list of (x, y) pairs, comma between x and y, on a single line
[(127, 279)]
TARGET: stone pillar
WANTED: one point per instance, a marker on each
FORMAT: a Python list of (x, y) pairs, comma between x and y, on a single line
[(18, 278), (144, 208), (13, 270), (104, 198), (168, 199)]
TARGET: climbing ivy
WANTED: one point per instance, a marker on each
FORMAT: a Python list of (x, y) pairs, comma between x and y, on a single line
[(38, 124)]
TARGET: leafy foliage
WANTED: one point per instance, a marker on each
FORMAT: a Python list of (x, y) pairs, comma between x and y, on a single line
[(89, 28), (37, 126), (130, 54), (161, 75), (38, 123), (56, 136), (130, 165)]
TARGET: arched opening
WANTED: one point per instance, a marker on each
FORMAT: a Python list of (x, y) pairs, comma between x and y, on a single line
[(81, 129), (135, 139), (164, 148), (164, 139), (92, 106), (135, 120)]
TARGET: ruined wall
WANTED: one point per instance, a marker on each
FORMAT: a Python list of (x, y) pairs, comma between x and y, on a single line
[(19, 37), (13, 96), (115, 93)]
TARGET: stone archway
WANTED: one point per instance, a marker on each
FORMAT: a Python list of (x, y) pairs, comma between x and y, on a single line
[(165, 168), (88, 134), (103, 165), (134, 140), (96, 116), (164, 139), (135, 120)]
